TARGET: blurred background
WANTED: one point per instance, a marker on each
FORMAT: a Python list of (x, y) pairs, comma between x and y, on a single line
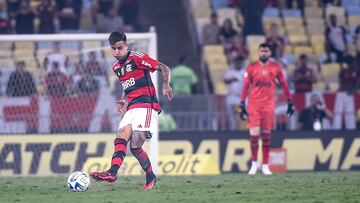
[(56, 86)]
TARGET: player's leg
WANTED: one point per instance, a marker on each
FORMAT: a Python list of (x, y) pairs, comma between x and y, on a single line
[(254, 146), (120, 144), (144, 123), (137, 140), (267, 123), (254, 130)]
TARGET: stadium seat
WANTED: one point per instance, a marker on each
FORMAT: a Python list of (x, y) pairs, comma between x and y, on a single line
[(330, 72), (317, 39), (298, 50), (213, 49), (298, 40), (320, 22), (350, 3), (216, 4), (293, 21), (354, 21), (333, 86), (319, 86), (7, 63), (319, 49), (216, 60), (313, 12), (311, 3), (297, 30), (353, 11), (291, 13), (201, 8), (254, 40), (271, 12), (315, 30)]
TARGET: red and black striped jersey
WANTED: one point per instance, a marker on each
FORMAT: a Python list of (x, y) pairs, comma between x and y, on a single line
[(134, 75)]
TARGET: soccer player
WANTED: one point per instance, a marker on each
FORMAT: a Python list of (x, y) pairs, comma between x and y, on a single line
[(260, 80), (141, 104)]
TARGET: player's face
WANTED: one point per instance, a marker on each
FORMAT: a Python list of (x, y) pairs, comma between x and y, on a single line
[(119, 50), (264, 54)]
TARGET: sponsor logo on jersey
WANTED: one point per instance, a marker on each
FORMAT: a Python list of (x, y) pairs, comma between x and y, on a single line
[(144, 63), (262, 84)]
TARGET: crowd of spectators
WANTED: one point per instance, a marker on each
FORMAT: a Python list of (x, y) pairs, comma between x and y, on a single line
[(55, 16)]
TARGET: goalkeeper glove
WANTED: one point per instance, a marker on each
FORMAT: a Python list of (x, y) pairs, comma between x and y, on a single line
[(243, 113), (290, 108)]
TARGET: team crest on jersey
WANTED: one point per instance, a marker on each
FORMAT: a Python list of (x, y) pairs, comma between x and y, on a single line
[(128, 68), (263, 72), (122, 71)]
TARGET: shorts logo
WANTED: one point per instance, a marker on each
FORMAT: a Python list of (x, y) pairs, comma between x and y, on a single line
[(139, 126)]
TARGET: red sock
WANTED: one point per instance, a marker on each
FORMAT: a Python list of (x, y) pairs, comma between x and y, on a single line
[(265, 137), (254, 145), (119, 155)]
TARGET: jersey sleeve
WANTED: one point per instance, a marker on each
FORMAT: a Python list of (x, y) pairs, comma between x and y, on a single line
[(281, 78), (247, 80), (148, 63)]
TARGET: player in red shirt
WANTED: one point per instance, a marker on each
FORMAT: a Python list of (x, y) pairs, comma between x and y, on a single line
[(260, 79), (141, 104)]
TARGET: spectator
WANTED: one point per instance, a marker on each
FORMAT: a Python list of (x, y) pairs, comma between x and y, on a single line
[(12, 7), (237, 48), (21, 82), (110, 22), (234, 79), (183, 78), (304, 77), (166, 122), (56, 81), (56, 56), (129, 10), (87, 85), (252, 11), (5, 23), (335, 39), (226, 32), (69, 14), (276, 42), (97, 70), (311, 118), (348, 76), (210, 31), (24, 18), (46, 13), (325, 3), (357, 43)]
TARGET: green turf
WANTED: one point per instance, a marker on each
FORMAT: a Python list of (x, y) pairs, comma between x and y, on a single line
[(292, 187)]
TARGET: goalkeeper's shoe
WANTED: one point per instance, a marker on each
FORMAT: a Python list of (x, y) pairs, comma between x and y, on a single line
[(104, 176), (150, 184), (265, 169), (254, 168)]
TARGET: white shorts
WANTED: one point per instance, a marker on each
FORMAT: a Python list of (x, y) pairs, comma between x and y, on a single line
[(141, 119)]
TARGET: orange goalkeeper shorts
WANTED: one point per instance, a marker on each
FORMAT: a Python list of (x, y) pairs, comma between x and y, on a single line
[(261, 118)]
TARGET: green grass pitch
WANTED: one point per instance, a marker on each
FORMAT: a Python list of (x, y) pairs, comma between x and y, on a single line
[(312, 187)]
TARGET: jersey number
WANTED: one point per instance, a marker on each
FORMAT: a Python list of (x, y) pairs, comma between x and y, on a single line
[(128, 83)]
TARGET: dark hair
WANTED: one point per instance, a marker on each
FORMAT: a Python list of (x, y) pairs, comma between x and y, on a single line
[(239, 58), (303, 56), (265, 45), (213, 15), (117, 36)]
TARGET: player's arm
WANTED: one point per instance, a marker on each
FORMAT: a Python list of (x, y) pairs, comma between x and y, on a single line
[(281, 78), (244, 93), (165, 71)]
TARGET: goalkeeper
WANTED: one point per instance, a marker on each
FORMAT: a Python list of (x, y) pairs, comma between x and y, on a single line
[(260, 82)]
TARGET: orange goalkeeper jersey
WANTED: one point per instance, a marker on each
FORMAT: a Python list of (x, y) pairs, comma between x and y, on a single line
[(260, 83)]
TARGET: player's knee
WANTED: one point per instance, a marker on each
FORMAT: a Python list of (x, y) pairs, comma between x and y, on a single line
[(137, 139), (254, 131)]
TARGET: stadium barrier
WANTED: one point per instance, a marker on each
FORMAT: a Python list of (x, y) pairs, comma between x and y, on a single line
[(46, 155), (193, 164)]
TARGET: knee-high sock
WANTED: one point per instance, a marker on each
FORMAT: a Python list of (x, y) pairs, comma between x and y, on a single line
[(254, 145), (119, 155), (143, 159), (265, 137)]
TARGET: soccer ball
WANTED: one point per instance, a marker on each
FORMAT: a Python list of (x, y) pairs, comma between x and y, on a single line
[(78, 181)]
